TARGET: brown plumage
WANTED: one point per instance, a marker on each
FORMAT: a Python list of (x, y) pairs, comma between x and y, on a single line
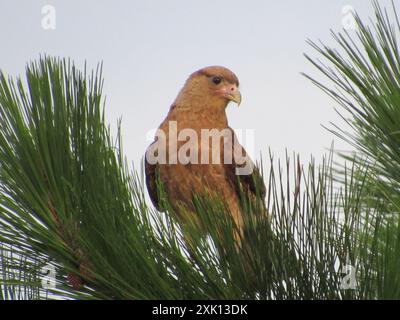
[(200, 105)]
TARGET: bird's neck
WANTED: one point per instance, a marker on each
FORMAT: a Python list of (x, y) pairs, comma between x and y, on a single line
[(189, 106), (203, 115)]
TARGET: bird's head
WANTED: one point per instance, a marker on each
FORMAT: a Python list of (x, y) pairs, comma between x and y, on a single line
[(210, 86)]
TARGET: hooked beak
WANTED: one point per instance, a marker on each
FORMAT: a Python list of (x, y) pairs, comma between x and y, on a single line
[(235, 96)]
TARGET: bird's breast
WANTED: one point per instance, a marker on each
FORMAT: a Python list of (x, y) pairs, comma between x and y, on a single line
[(190, 143)]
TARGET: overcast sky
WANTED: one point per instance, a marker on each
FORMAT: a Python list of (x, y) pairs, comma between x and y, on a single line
[(150, 47)]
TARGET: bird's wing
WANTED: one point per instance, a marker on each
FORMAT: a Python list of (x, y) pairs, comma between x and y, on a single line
[(251, 183), (151, 183)]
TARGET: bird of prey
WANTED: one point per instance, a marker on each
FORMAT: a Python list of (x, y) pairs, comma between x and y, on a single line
[(196, 152)]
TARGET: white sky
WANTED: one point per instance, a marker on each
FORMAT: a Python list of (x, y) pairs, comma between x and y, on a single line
[(150, 47)]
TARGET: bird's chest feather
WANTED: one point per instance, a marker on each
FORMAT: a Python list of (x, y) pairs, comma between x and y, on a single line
[(193, 179), (206, 142), (195, 154)]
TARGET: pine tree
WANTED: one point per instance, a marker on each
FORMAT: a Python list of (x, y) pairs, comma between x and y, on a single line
[(70, 206)]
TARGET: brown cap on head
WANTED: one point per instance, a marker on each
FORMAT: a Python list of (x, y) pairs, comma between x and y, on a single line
[(212, 87), (223, 72)]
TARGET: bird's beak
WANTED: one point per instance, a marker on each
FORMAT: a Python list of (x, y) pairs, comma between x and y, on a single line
[(235, 96)]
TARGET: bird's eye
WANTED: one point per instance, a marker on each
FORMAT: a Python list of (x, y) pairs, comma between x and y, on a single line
[(217, 80)]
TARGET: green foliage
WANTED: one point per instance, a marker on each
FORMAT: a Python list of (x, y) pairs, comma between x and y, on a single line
[(365, 82), (20, 277), (68, 198)]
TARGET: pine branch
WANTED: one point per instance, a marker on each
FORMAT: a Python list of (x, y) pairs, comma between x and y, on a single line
[(365, 82), (67, 197)]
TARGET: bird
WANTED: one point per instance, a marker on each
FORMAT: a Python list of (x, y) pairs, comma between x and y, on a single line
[(182, 159)]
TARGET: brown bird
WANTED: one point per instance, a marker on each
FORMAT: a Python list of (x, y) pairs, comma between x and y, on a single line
[(196, 152)]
